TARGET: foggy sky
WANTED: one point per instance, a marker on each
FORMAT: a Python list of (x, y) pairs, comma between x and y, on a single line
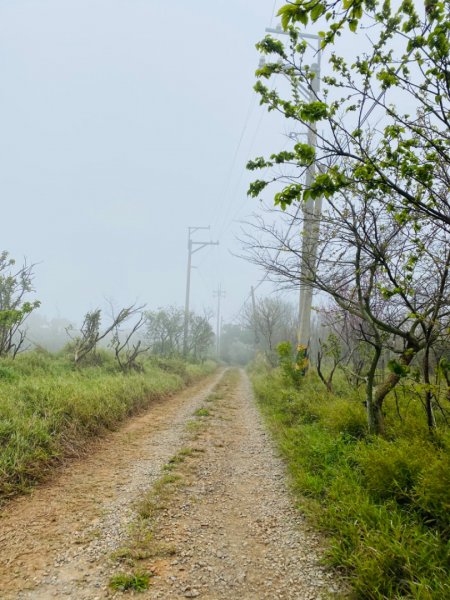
[(120, 121)]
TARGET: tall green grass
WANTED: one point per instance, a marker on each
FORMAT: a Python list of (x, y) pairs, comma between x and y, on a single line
[(49, 410), (384, 503)]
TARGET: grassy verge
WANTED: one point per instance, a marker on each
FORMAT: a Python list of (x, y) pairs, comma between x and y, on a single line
[(384, 503), (49, 410)]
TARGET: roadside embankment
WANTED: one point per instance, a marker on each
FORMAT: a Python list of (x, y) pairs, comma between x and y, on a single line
[(49, 411), (382, 501)]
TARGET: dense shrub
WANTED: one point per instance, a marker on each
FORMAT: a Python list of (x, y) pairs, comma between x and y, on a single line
[(391, 469), (344, 416), (432, 492), (293, 368)]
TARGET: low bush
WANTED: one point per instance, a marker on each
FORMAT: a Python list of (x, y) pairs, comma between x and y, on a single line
[(139, 582), (188, 372), (344, 416), (432, 492), (391, 469), (195, 371)]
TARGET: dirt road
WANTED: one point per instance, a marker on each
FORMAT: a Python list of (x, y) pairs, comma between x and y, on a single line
[(229, 521)]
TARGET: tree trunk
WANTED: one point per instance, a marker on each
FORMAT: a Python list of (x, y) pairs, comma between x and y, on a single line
[(375, 418), (326, 382), (382, 390), (374, 414), (428, 395)]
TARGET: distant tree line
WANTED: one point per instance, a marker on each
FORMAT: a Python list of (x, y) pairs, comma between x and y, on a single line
[(130, 332)]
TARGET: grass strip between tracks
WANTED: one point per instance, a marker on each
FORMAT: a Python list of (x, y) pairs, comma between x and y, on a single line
[(136, 557)]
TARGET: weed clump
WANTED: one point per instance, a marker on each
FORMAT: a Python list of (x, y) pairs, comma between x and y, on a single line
[(202, 412), (139, 582)]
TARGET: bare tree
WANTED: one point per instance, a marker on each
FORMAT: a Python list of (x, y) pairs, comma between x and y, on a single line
[(126, 349), (378, 268), (331, 349), (273, 321), (354, 350), (91, 334)]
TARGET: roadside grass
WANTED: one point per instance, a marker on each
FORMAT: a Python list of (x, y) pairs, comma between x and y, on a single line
[(384, 503), (49, 410)]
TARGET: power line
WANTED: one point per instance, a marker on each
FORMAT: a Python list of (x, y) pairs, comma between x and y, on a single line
[(243, 170), (273, 12), (226, 223), (251, 107), (239, 208), (236, 153)]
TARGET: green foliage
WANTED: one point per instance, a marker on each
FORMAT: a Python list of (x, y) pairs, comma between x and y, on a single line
[(270, 45), (383, 502), (139, 582), (344, 417), (15, 286), (431, 492), (165, 333), (391, 469), (293, 369), (395, 367), (202, 412), (411, 151), (7, 373), (188, 372)]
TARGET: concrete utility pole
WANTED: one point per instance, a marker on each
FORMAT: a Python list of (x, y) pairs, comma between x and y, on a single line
[(312, 213), (193, 247), (312, 209), (219, 294), (255, 327)]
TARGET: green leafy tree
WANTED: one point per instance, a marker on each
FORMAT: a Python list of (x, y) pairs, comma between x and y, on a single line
[(401, 80), (15, 286), (201, 336), (382, 181), (165, 329)]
